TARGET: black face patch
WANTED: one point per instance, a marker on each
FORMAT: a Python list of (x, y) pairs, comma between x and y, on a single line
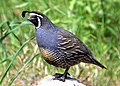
[(34, 20)]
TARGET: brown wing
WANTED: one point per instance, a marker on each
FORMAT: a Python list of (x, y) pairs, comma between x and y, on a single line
[(74, 49)]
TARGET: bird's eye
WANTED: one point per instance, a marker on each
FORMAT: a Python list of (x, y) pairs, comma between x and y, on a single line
[(33, 16)]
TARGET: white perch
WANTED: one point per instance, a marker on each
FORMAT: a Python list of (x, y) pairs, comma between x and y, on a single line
[(48, 81)]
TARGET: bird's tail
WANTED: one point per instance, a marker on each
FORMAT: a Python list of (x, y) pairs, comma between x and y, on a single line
[(92, 60), (98, 63)]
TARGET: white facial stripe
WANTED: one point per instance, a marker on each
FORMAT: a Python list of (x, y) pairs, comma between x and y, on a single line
[(32, 14), (39, 23)]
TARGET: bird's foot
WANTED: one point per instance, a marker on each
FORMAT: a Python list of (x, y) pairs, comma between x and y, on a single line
[(60, 77)]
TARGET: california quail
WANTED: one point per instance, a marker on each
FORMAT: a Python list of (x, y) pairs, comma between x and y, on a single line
[(59, 47)]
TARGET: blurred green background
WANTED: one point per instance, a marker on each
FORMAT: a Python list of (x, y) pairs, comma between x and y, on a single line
[(95, 22)]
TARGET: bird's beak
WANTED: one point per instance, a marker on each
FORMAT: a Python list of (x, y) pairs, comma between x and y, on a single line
[(29, 19)]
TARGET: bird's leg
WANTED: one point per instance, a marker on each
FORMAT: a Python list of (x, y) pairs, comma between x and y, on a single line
[(61, 77)]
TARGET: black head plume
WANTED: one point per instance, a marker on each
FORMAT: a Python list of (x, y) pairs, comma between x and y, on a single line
[(24, 12)]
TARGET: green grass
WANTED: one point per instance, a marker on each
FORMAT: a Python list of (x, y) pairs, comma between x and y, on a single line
[(95, 22)]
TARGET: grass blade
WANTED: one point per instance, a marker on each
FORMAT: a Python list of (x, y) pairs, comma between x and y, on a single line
[(8, 68), (12, 80)]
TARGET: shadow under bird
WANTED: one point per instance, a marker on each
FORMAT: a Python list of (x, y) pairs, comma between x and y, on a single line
[(58, 46)]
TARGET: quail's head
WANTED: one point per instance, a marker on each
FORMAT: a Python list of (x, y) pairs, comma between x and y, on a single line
[(37, 18)]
